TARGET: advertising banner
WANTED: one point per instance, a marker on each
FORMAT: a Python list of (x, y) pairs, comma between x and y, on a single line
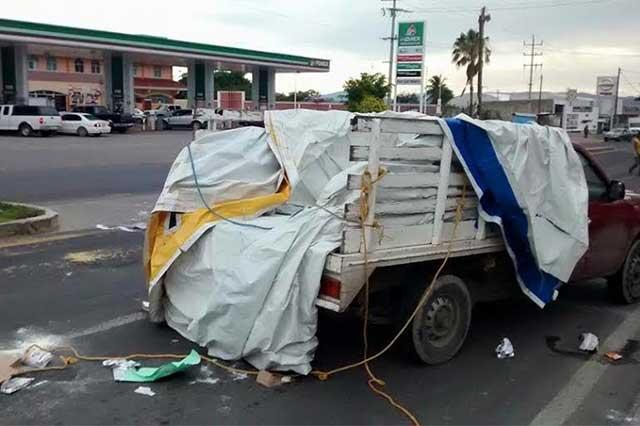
[(410, 56)]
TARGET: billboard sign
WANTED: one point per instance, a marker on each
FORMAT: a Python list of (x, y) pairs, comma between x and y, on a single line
[(606, 86), (410, 56)]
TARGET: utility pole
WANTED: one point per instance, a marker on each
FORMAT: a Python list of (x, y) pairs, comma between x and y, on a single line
[(532, 66), (392, 38), (614, 115), (481, 21), (540, 95)]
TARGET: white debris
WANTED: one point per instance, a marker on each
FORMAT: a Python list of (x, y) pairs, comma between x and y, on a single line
[(239, 376), (120, 366), (145, 305), (14, 385), (145, 390), (589, 342), (35, 357), (505, 349)]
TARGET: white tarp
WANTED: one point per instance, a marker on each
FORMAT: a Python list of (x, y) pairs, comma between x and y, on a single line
[(548, 180), (246, 292), (231, 165)]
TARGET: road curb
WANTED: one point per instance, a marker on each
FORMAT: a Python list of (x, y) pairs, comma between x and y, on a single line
[(46, 222)]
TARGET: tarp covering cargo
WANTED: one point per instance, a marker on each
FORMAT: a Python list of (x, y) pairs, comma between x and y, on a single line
[(241, 276), (247, 288), (530, 181)]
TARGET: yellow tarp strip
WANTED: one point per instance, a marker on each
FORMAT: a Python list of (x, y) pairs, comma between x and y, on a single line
[(161, 246)]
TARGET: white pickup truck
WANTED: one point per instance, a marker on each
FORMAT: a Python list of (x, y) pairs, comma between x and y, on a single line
[(409, 230), (27, 119)]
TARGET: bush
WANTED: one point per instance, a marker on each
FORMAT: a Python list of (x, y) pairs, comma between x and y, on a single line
[(370, 104)]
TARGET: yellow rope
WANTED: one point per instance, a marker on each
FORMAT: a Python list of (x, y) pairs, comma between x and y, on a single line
[(69, 360), (373, 380)]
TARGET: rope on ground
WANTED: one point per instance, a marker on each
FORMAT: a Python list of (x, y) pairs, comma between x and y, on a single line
[(69, 360), (373, 380)]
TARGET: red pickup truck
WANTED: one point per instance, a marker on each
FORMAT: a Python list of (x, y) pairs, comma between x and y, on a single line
[(614, 227)]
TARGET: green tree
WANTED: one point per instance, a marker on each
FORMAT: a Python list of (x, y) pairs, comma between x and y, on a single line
[(368, 85), (466, 53), (438, 88), (370, 104)]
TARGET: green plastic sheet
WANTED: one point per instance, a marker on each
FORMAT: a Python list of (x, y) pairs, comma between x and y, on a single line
[(151, 374)]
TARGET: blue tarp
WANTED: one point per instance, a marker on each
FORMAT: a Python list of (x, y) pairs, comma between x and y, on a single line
[(500, 205)]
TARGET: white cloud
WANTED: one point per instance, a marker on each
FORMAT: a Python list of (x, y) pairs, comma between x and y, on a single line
[(582, 41)]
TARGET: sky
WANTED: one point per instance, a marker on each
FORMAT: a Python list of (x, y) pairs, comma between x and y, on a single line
[(582, 39)]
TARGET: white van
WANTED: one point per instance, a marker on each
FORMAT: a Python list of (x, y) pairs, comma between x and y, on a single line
[(30, 118)]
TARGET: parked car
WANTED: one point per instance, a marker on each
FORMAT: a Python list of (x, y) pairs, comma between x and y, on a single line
[(120, 122), (619, 134), (82, 124), (138, 115), (27, 119), (184, 118)]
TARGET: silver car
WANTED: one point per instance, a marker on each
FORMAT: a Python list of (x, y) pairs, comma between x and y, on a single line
[(184, 118)]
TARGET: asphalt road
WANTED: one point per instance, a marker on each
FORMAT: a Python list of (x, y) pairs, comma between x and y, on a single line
[(87, 292), (64, 167)]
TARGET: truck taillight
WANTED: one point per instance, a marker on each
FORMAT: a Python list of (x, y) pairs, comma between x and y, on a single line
[(330, 287), (41, 120)]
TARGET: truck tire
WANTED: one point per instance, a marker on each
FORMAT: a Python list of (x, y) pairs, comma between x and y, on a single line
[(441, 325), (624, 286), (196, 125), (82, 132), (25, 130)]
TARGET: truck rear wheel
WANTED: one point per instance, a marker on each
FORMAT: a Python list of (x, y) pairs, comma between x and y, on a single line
[(25, 130), (624, 286), (442, 323)]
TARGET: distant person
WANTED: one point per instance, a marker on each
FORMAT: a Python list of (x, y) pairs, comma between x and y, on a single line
[(635, 141), (586, 131)]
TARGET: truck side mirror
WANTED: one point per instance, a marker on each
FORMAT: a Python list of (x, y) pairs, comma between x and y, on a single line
[(616, 190)]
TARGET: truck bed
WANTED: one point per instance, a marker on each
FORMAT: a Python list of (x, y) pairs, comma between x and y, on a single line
[(411, 206)]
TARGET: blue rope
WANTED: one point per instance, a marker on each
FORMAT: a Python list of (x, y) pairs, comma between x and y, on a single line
[(213, 212)]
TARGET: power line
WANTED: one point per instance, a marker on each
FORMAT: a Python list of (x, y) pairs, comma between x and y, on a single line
[(522, 6)]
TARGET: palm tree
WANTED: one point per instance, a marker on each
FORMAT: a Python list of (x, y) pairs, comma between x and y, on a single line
[(466, 52)]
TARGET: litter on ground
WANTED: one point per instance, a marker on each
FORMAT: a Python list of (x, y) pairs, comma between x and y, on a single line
[(145, 390), (589, 342), (35, 357), (505, 349), (151, 374), (14, 385)]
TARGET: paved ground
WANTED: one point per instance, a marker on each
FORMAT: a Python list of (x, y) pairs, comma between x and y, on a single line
[(71, 167), (87, 292)]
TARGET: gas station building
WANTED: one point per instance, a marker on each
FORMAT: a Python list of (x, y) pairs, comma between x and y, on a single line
[(77, 65)]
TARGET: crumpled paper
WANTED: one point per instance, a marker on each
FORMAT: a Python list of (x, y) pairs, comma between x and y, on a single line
[(35, 357), (119, 366), (505, 349), (589, 342)]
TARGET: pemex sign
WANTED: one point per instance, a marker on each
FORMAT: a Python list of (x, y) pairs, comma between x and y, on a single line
[(410, 57)]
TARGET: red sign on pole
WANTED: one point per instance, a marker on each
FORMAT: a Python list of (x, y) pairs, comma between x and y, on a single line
[(409, 58)]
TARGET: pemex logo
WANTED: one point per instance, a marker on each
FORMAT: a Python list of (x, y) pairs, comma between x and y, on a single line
[(411, 31)]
